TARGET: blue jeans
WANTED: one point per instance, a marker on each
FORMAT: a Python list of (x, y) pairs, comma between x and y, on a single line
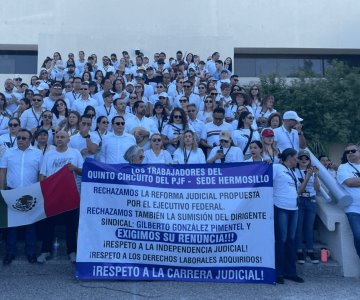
[(285, 222), (354, 221), (30, 240), (305, 225)]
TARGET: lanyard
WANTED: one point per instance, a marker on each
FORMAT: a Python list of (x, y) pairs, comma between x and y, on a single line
[(353, 167), (37, 119), (186, 156), (223, 159), (288, 136), (107, 112), (12, 141), (292, 175)]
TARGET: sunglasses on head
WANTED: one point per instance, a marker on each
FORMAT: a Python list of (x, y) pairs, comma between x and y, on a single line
[(350, 151)]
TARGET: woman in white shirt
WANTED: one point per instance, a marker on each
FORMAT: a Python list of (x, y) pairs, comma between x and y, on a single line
[(226, 152), (256, 150), (188, 152), (156, 154), (285, 195)]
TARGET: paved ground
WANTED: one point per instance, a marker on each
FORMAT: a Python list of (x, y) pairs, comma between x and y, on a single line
[(56, 280)]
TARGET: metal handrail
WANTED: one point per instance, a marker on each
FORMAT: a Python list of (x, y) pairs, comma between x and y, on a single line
[(335, 189)]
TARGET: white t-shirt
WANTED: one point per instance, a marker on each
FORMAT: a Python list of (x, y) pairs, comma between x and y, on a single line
[(54, 160), (193, 157), (300, 174), (241, 137), (151, 158), (212, 132), (79, 143), (285, 191), (346, 171)]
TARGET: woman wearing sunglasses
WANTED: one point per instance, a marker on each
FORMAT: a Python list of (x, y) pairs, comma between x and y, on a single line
[(209, 106), (306, 208), (8, 140), (188, 152), (156, 154), (245, 134), (60, 113)]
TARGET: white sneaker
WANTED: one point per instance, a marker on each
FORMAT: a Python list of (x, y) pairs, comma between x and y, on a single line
[(72, 257), (43, 257)]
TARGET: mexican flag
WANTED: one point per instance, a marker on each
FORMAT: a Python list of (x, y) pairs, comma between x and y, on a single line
[(52, 196)]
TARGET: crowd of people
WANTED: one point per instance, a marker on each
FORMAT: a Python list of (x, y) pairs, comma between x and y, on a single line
[(181, 110)]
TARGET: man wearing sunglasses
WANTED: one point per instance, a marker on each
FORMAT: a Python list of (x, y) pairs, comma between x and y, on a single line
[(19, 167), (115, 144), (31, 118), (85, 99), (348, 176)]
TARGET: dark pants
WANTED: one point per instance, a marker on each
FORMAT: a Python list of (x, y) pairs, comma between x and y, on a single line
[(285, 222), (354, 221), (306, 220), (71, 221), (30, 239)]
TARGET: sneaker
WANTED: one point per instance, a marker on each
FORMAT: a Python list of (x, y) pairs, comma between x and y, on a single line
[(311, 256), (294, 278), (72, 257), (300, 258), (42, 258)]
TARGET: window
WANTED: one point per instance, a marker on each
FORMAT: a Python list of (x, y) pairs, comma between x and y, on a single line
[(247, 65), (18, 62)]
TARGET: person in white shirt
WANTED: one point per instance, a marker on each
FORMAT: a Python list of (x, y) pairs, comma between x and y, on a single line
[(285, 193), (256, 150), (210, 136), (226, 152), (12, 98), (85, 141), (348, 175), (85, 100), (290, 134), (156, 154), (53, 161), (31, 118), (115, 144), (75, 93), (188, 151), (106, 66), (140, 121), (19, 167)]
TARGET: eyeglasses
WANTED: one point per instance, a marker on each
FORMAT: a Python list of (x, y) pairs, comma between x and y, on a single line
[(201, 87), (60, 104), (132, 97), (119, 123), (250, 118), (190, 111), (177, 117), (224, 141), (181, 82), (161, 97), (160, 86), (183, 100), (187, 86), (85, 124), (82, 89), (105, 122), (37, 100), (236, 79), (214, 94), (350, 151), (13, 125), (47, 116), (91, 115), (21, 138), (208, 101), (18, 79), (156, 140)]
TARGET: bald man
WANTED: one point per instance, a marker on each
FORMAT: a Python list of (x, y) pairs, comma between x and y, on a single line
[(54, 161)]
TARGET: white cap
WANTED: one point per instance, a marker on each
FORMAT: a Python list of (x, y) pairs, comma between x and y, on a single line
[(163, 94), (291, 115)]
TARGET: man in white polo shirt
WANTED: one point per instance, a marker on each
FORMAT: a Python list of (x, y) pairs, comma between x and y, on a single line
[(290, 134), (19, 167)]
